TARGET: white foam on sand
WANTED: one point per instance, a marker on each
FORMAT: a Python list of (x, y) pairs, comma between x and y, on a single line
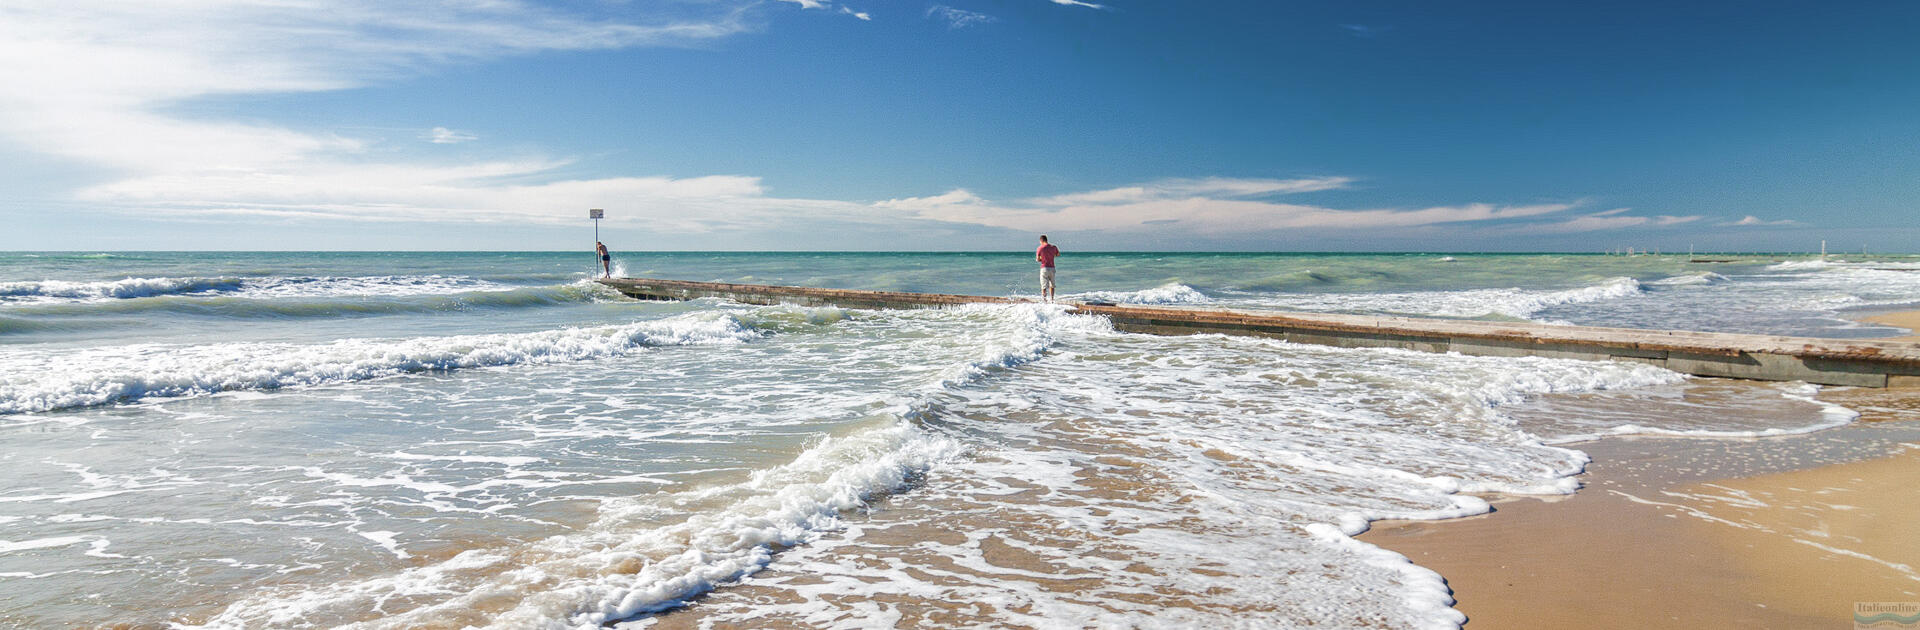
[(1826, 416), (641, 555), (652, 553), (1248, 465), (1196, 481)]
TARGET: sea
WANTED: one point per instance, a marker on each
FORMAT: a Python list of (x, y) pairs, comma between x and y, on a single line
[(493, 440)]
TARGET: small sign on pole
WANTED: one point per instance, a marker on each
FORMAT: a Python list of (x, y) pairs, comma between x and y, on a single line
[(596, 213)]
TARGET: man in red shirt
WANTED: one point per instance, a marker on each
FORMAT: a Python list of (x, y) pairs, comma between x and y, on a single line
[(1045, 255)]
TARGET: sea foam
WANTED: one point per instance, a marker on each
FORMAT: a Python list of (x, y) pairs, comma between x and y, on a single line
[(1515, 303), (116, 289), (628, 564), (257, 287), (1173, 293), (41, 380), (245, 304)]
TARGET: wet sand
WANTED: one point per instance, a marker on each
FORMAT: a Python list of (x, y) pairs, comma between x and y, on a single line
[(1909, 320), (1782, 532)]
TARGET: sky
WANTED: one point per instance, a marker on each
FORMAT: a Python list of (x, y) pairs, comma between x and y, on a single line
[(974, 125)]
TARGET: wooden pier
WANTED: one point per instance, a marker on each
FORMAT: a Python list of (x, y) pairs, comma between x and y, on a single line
[(1859, 363)]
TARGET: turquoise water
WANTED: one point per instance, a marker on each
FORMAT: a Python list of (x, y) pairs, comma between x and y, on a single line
[(490, 439)]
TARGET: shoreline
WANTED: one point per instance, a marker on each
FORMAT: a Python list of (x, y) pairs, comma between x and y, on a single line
[(1909, 320), (1785, 531)]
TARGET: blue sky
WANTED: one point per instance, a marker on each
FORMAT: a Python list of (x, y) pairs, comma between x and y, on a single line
[(959, 124)]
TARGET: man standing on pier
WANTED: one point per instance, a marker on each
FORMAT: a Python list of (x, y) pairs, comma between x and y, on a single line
[(606, 259), (1045, 254)]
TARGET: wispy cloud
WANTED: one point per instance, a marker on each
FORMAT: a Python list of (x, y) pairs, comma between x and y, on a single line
[(101, 85), (955, 197), (1615, 219), (1210, 187), (91, 83), (472, 193), (443, 135), (959, 18), (1365, 31), (1078, 3), (1750, 220), (1209, 207), (829, 5)]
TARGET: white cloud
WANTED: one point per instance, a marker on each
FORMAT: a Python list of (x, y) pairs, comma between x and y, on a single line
[(93, 81), (100, 82), (828, 5), (1751, 220), (1078, 3), (1614, 219), (1222, 187), (959, 18), (955, 197), (1210, 207), (443, 135), (474, 193)]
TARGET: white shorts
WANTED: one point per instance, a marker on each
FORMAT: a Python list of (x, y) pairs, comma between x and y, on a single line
[(1046, 277)]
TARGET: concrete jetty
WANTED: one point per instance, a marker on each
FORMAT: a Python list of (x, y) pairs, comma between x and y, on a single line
[(1858, 363)]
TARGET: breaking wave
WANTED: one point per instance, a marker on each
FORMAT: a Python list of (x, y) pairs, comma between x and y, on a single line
[(266, 287), (1514, 303), (247, 304), (48, 380), (1172, 293)]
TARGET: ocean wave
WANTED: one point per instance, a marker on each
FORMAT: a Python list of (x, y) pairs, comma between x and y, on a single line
[(1025, 333), (626, 563), (782, 507), (655, 553), (326, 286), (247, 305), (1171, 293), (255, 287), (47, 380), (13, 325), (1318, 279), (116, 289), (1800, 265), (1515, 303), (1691, 279)]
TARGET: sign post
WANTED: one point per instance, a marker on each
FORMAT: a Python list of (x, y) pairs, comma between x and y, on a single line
[(597, 214)]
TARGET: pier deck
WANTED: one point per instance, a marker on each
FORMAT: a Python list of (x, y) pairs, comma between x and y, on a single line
[(1852, 362)]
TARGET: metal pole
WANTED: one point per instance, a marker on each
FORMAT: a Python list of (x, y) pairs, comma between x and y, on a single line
[(596, 214)]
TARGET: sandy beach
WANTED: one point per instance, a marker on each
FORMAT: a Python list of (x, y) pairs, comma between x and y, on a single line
[(1909, 320), (1684, 533)]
